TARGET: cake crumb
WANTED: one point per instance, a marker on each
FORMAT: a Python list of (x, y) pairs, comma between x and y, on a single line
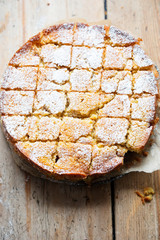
[(148, 191), (147, 195), (145, 154)]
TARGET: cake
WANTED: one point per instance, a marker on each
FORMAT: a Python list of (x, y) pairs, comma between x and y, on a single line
[(76, 98)]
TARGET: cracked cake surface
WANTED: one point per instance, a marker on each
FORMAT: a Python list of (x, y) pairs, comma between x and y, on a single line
[(76, 98)]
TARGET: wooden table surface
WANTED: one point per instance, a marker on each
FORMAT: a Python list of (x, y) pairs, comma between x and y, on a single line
[(32, 208)]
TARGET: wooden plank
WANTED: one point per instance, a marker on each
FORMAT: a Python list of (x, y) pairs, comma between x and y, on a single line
[(41, 14), (10, 30), (12, 184), (132, 219), (70, 212), (156, 178), (33, 208)]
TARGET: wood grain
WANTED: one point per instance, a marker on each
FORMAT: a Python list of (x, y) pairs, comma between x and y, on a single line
[(12, 181), (156, 177), (41, 14), (32, 208), (132, 219)]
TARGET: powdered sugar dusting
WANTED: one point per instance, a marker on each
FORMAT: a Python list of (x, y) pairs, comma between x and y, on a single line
[(49, 85), (140, 58), (89, 35), (119, 37), (26, 56), (81, 104), (126, 51), (143, 108), (59, 34), (17, 102), (54, 55), (145, 82), (39, 152), (32, 128), (73, 158), (53, 79), (116, 57), (111, 130), (49, 102), (59, 76), (104, 159), (109, 82), (43, 128), (86, 140), (116, 82), (16, 126), (84, 80), (118, 107), (72, 129), (20, 78), (83, 57), (125, 84), (139, 133)]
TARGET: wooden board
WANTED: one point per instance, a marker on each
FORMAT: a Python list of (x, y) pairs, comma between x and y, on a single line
[(132, 219), (32, 208)]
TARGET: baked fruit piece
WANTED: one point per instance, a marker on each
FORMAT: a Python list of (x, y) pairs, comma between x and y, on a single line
[(75, 98)]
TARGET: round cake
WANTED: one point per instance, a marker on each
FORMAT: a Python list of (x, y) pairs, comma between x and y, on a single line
[(76, 98)]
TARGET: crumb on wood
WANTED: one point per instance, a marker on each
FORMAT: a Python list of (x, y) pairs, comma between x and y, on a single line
[(139, 194), (143, 200), (148, 191), (148, 198)]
